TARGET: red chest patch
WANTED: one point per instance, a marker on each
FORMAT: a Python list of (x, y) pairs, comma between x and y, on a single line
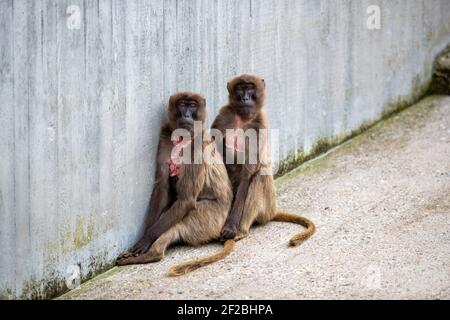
[(176, 156), (174, 169), (235, 138)]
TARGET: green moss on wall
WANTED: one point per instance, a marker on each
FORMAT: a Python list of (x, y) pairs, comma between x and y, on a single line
[(440, 83), (420, 88)]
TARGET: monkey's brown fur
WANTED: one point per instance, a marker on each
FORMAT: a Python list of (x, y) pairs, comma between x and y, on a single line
[(191, 208), (254, 193)]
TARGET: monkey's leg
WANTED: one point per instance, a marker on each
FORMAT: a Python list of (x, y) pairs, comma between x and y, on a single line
[(160, 201), (204, 223), (200, 226), (156, 251), (259, 204)]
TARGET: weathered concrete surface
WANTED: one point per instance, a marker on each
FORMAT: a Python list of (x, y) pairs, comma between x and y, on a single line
[(81, 108), (381, 203)]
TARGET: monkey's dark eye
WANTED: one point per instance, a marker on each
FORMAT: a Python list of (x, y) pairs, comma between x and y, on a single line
[(181, 103)]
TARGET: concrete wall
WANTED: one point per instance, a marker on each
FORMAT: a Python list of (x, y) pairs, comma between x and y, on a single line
[(81, 108)]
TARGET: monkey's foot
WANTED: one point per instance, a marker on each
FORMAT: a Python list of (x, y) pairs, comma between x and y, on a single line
[(228, 232), (144, 258)]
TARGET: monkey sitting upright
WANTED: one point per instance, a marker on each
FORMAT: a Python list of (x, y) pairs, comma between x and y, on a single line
[(252, 182), (190, 201)]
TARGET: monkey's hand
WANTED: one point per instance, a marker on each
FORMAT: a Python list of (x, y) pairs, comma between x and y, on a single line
[(141, 246), (123, 256), (229, 231), (138, 249)]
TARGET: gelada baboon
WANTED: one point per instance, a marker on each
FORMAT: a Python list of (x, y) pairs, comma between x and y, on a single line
[(190, 201), (252, 182)]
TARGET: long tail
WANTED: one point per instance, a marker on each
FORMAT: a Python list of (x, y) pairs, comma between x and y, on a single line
[(299, 237), (192, 265)]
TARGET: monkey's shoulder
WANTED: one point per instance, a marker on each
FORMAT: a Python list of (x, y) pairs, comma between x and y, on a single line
[(166, 132), (224, 118), (226, 110), (228, 119), (261, 120)]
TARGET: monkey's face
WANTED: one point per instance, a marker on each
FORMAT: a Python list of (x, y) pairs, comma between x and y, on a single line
[(185, 110), (186, 113), (246, 99)]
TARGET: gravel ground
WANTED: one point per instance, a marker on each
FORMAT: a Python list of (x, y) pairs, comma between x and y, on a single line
[(381, 203)]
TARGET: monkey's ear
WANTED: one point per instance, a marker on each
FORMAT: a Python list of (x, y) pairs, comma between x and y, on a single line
[(228, 86), (264, 83)]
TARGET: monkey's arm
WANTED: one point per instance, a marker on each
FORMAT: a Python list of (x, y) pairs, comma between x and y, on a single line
[(248, 171), (159, 199), (224, 120), (229, 231), (158, 202)]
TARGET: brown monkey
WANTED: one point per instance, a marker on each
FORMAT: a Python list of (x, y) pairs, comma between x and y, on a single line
[(253, 187), (190, 201)]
